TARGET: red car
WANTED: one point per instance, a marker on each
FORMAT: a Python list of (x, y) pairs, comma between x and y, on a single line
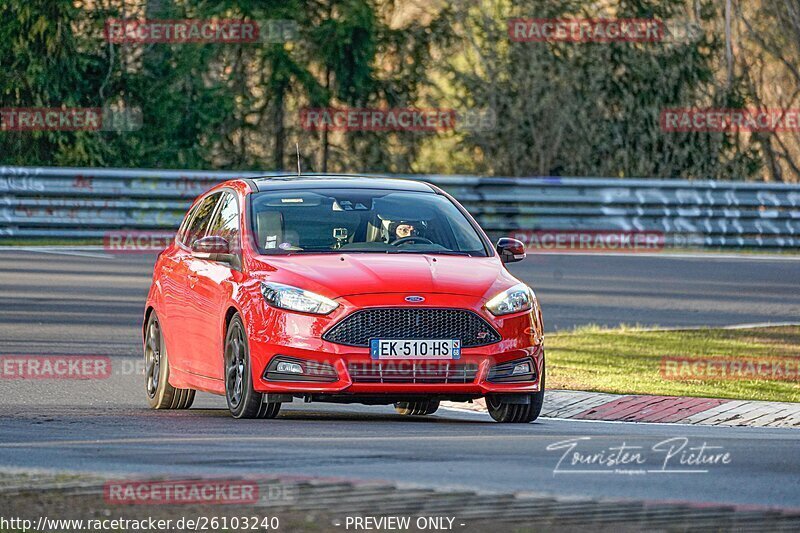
[(340, 289)]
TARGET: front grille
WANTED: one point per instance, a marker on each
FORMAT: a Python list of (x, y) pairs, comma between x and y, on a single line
[(413, 323), (412, 372)]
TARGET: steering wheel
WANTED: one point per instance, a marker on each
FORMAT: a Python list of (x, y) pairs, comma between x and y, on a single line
[(412, 238)]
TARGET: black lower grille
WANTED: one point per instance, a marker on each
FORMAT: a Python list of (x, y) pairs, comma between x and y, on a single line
[(412, 323), (412, 372)]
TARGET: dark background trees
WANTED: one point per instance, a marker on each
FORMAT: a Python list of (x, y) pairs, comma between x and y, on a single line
[(581, 109)]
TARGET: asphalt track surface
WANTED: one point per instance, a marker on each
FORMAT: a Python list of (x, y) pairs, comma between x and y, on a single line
[(89, 303)]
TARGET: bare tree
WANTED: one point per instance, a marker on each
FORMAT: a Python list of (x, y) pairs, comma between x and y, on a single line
[(770, 62)]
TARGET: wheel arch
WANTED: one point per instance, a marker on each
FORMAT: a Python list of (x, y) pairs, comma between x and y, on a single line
[(147, 312), (232, 310)]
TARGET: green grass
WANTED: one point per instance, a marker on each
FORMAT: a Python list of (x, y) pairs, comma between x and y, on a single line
[(628, 361)]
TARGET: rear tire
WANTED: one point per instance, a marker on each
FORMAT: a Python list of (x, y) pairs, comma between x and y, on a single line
[(160, 394), (417, 408), (515, 413), (243, 400)]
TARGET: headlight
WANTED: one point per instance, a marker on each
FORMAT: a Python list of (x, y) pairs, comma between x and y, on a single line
[(296, 299), (514, 300)]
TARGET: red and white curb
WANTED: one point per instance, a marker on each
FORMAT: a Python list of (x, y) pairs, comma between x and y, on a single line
[(661, 409)]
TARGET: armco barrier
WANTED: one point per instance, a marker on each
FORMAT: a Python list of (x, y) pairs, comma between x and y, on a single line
[(69, 203)]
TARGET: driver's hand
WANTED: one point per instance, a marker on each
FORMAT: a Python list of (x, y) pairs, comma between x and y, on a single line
[(404, 230)]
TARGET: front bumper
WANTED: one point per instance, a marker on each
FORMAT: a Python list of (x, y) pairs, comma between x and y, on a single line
[(299, 336), (479, 386)]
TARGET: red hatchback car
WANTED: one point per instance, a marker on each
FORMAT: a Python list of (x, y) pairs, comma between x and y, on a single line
[(340, 289)]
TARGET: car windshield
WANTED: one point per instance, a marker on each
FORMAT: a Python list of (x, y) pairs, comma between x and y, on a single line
[(361, 220)]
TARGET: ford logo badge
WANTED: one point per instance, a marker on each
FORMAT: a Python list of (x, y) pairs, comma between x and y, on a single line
[(415, 299)]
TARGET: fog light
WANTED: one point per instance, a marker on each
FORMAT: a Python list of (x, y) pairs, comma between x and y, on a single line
[(284, 368), (289, 368), (522, 368), (516, 371)]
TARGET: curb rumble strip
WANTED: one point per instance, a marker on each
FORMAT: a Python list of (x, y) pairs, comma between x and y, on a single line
[(660, 409)]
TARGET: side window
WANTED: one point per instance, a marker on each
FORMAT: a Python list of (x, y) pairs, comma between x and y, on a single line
[(200, 219), (183, 230), (225, 223)]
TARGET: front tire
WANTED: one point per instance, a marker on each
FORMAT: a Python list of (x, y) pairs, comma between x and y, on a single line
[(243, 400), (417, 408), (160, 394), (515, 413)]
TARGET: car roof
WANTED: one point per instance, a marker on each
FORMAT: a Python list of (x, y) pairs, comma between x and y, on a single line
[(338, 181)]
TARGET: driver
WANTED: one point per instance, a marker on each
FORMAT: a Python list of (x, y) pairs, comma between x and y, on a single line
[(405, 228)]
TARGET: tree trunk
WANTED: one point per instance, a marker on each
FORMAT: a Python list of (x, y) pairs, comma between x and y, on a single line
[(325, 126), (280, 130)]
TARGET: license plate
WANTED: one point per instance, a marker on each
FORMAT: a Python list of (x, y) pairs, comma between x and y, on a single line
[(415, 349)]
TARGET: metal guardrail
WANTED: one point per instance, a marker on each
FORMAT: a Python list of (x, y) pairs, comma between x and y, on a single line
[(69, 203)]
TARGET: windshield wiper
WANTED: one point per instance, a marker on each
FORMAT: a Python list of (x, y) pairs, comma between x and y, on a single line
[(357, 251), (429, 252)]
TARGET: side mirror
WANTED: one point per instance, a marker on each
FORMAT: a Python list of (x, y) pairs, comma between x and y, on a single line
[(510, 250), (215, 249), (210, 245)]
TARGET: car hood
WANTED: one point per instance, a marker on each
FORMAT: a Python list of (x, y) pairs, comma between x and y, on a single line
[(350, 274)]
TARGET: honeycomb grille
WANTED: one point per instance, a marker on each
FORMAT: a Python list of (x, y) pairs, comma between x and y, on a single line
[(412, 323)]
